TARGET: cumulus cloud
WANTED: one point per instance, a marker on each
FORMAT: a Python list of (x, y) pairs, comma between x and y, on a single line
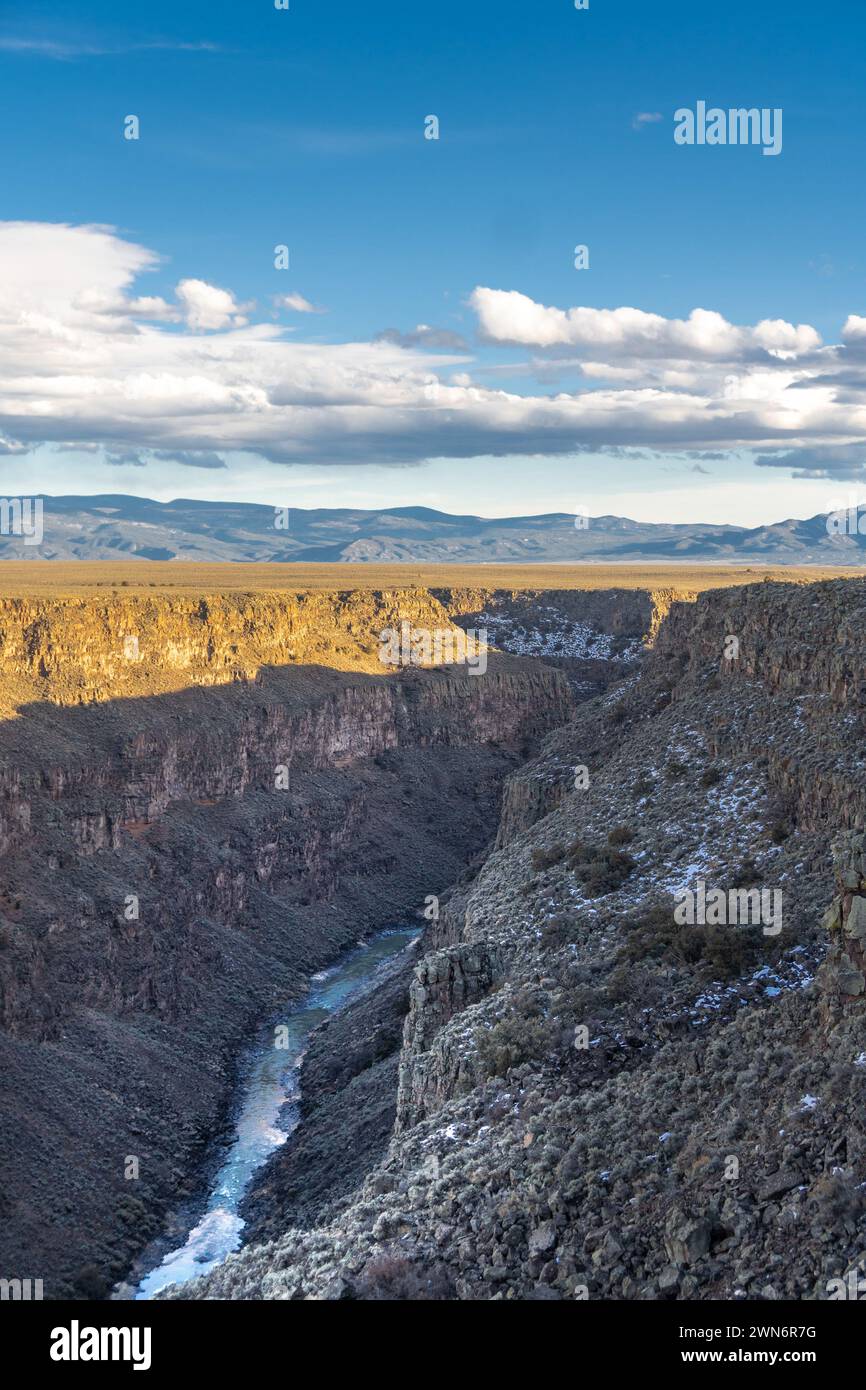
[(88, 357), (205, 306), (507, 316)]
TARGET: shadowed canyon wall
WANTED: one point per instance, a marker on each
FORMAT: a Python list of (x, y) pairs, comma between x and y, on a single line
[(191, 822)]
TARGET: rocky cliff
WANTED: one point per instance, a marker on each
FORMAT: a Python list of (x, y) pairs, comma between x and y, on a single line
[(598, 1097), (190, 823)]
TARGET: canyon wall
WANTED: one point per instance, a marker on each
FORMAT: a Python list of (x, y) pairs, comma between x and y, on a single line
[(190, 824), (705, 1139), (800, 651)]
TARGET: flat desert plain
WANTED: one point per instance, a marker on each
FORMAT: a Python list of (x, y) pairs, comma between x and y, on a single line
[(35, 577)]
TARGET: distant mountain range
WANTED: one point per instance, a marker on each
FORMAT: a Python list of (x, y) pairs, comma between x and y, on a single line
[(128, 528)]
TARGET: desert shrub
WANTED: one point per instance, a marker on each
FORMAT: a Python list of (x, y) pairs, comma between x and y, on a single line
[(711, 777), (642, 787), (559, 931), (617, 714), (578, 1004), (732, 950), (392, 1277), (620, 835), (839, 1202), (651, 935), (602, 869), (512, 1040), (543, 858), (527, 1003), (726, 951), (675, 769), (620, 984)]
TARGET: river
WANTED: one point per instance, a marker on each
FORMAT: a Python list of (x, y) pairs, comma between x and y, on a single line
[(267, 1108)]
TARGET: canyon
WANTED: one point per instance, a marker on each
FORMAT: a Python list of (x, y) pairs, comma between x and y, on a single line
[(192, 822), (562, 1093)]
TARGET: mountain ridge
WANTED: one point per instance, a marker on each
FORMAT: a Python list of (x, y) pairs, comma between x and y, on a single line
[(116, 526)]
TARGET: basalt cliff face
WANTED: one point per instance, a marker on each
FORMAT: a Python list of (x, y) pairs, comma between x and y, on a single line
[(201, 803), (597, 1096)]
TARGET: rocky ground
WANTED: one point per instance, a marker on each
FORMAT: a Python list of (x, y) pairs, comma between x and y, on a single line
[(592, 1099)]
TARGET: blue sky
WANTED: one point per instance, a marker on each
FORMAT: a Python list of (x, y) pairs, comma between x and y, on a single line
[(305, 127)]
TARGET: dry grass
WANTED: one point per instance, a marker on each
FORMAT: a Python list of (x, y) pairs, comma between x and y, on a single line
[(32, 578)]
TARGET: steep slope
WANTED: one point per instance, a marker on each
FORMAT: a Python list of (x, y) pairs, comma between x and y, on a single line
[(596, 1099), (185, 836)]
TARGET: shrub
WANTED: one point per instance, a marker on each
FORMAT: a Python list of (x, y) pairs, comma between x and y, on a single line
[(620, 984), (579, 1003), (543, 858), (620, 835), (642, 787), (559, 931), (394, 1278), (675, 769), (726, 951), (602, 869), (512, 1040), (711, 777), (651, 935)]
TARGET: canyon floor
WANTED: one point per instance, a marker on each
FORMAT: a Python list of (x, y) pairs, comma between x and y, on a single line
[(568, 1094)]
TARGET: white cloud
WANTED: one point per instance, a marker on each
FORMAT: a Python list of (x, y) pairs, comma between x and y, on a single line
[(64, 51), (646, 118), (85, 359), (207, 307), (506, 316), (298, 304)]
